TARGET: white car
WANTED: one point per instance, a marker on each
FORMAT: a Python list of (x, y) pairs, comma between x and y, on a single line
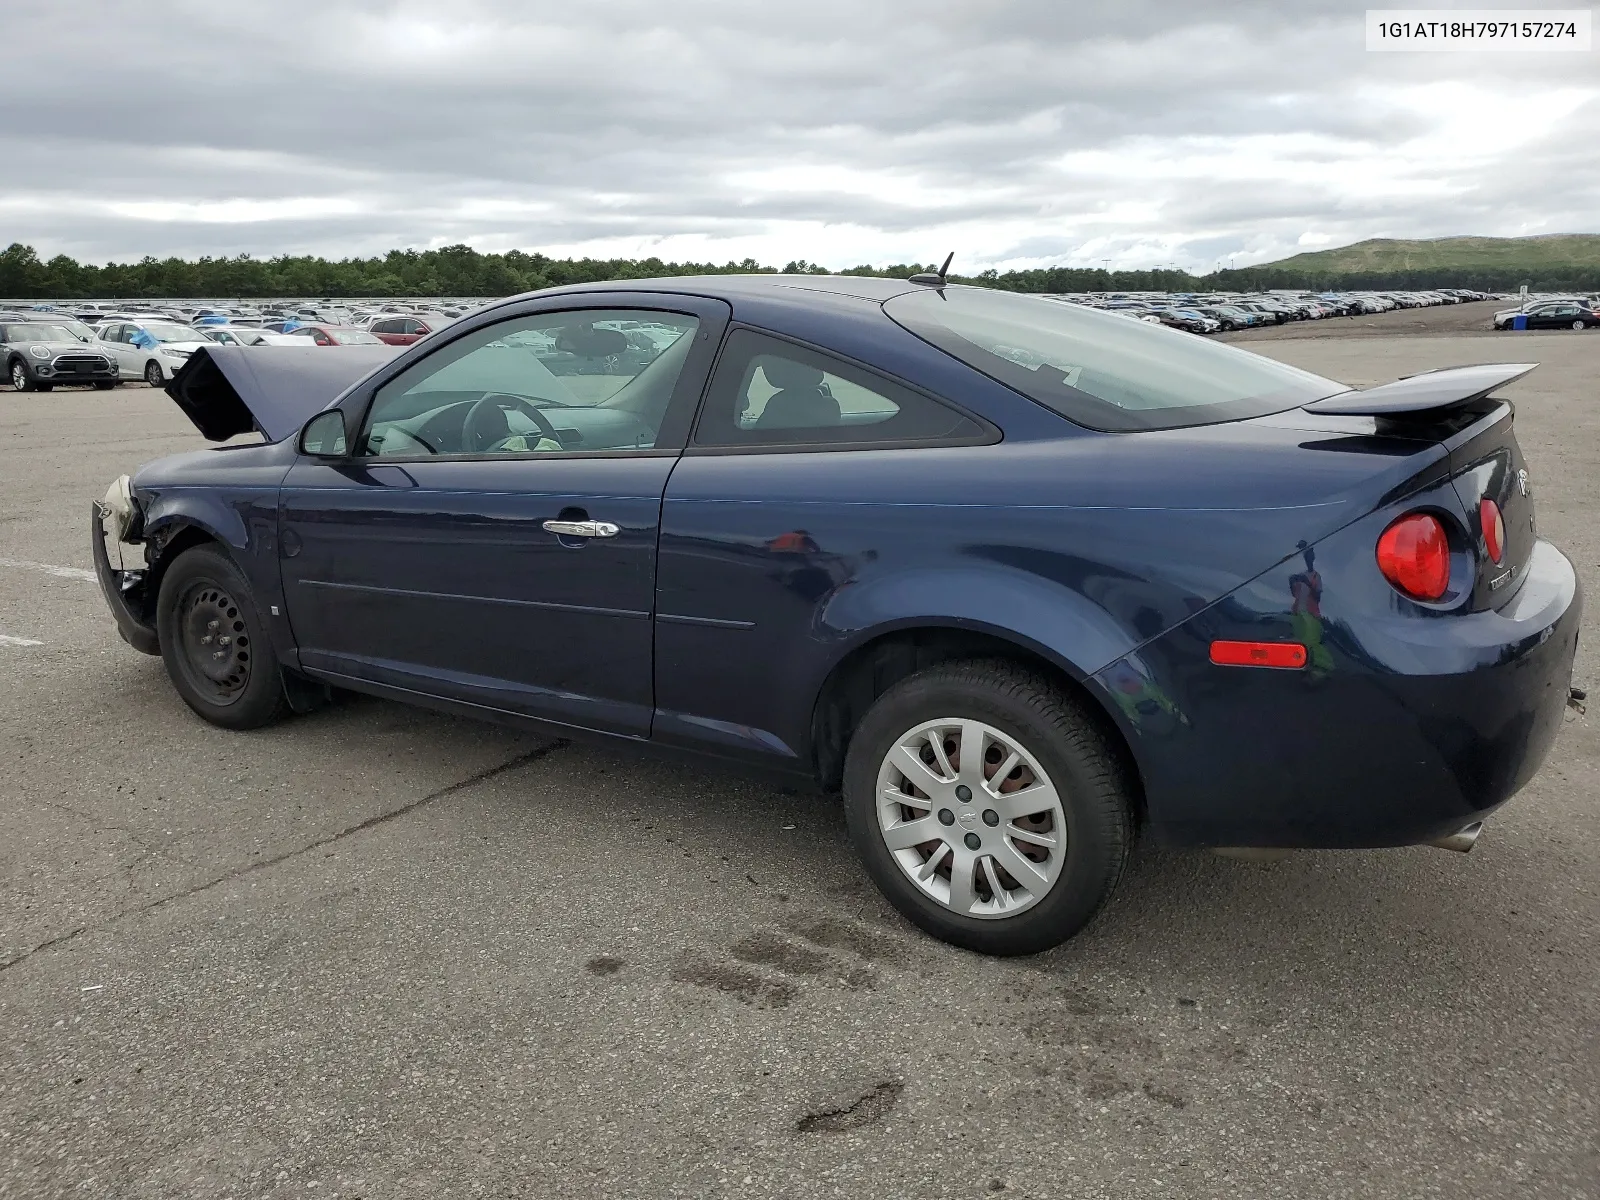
[(150, 350), (239, 335)]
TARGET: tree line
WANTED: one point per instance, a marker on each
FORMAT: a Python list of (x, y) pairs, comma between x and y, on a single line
[(463, 271)]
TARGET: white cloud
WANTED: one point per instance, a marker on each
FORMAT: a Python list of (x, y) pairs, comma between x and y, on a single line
[(1024, 134)]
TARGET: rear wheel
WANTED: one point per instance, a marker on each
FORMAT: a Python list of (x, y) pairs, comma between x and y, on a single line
[(215, 644), (987, 807), (152, 374), (1580, 324)]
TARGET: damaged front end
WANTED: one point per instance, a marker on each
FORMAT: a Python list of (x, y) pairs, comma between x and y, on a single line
[(117, 539)]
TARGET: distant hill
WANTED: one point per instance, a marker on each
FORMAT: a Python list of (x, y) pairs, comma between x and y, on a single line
[(1545, 257)]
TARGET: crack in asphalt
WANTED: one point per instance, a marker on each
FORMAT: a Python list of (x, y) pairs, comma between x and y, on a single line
[(487, 773)]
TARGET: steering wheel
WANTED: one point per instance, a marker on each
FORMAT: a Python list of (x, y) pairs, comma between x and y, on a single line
[(486, 423)]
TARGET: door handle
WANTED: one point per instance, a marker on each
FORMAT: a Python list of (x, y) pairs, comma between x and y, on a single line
[(582, 528)]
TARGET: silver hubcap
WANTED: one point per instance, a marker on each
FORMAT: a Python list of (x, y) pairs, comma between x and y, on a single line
[(971, 818)]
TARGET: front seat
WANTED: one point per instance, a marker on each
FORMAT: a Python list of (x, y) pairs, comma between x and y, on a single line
[(801, 401)]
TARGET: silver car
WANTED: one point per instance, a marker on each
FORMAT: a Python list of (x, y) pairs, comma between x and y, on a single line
[(40, 354)]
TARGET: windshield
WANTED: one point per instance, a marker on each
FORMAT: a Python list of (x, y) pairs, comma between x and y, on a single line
[(1101, 370), (173, 333), (37, 332)]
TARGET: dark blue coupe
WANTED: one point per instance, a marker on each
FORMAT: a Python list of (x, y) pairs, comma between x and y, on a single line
[(1018, 577)]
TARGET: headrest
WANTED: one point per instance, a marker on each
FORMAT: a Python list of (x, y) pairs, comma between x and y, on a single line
[(588, 342), (786, 373)]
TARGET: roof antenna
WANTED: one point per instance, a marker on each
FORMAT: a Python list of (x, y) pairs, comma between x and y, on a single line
[(934, 278)]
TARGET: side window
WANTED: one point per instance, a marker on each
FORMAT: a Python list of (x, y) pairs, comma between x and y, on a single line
[(540, 384), (385, 327), (768, 392)]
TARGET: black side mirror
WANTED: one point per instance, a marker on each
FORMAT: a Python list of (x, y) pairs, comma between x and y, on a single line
[(324, 435)]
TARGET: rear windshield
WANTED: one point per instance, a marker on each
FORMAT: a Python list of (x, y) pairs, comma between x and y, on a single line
[(163, 332), (354, 337), (1103, 371)]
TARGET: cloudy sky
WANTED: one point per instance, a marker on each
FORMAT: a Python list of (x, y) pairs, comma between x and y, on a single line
[(1015, 132)]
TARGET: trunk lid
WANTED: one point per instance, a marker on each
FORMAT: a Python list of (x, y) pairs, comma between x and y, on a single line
[(1453, 408)]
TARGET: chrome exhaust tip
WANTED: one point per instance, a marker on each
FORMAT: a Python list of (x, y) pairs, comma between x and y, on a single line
[(1461, 840)]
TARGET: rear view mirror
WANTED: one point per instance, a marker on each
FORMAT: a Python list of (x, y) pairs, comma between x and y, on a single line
[(324, 435)]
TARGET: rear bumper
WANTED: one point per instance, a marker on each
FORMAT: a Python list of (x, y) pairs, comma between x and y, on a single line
[(124, 592), (1402, 730)]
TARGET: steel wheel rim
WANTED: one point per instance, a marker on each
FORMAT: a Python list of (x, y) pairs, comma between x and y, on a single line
[(935, 810), (215, 642)]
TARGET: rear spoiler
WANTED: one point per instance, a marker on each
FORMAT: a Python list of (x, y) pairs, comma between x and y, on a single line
[(1429, 392), (229, 390)]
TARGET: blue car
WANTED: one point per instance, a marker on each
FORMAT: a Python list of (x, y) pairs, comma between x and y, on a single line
[(1020, 579)]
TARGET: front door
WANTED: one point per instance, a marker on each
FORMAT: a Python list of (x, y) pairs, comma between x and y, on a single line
[(113, 340), (492, 541), (1556, 316)]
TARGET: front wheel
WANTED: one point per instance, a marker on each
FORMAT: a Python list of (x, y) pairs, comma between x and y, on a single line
[(215, 644), (20, 379), (104, 385), (152, 374), (988, 807)]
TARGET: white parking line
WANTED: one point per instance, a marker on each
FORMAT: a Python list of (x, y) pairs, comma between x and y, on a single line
[(7, 640), (24, 564)]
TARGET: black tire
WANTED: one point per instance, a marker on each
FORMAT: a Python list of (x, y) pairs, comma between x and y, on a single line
[(237, 684), (1095, 795), (1580, 325), (153, 375), (18, 375), (104, 385)]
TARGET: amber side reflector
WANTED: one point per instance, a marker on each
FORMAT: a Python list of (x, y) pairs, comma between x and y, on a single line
[(1286, 655)]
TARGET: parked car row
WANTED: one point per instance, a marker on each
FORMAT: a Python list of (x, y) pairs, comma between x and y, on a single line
[(265, 315), (1219, 312), (41, 350)]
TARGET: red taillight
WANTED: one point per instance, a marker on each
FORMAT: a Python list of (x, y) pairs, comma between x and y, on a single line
[(1287, 655), (1414, 555), (1494, 528)]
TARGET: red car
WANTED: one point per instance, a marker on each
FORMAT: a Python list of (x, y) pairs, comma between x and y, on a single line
[(399, 331), (335, 335)]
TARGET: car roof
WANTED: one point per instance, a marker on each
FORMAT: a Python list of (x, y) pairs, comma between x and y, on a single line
[(733, 287)]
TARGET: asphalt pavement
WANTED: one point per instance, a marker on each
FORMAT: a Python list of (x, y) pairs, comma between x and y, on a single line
[(378, 952)]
